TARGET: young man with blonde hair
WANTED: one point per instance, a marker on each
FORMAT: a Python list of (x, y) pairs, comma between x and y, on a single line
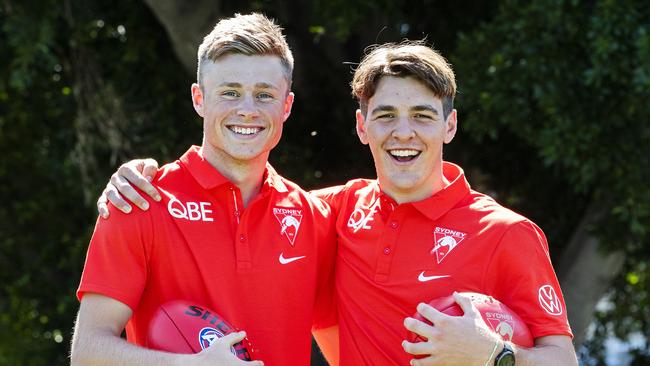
[(419, 232), (229, 233)]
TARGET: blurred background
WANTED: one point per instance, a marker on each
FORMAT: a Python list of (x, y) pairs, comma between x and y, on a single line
[(554, 119)]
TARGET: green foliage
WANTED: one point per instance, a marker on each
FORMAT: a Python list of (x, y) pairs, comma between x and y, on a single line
[(569, 78), (552, 93), (51, 54)]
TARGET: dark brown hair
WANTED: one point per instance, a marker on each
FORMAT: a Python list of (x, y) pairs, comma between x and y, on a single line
[(404, 59)]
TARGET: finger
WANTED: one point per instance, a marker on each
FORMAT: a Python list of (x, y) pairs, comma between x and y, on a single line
[(466, 304), (233, 338), (135, 176), (254, 363), (418, 348), (102, 207), (424, 361), (126, 189), (116, 199), (149, 168), (430, 313), (418, 327)]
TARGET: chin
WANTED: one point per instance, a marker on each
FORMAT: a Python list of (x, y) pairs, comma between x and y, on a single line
[(405, 183)]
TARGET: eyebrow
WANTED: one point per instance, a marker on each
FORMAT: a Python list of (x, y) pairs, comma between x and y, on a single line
[(425, 107), (238, 85), (382, 108), (417, 108)]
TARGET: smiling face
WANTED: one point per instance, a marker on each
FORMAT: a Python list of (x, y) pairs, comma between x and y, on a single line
[(405, 129), (244, 102)]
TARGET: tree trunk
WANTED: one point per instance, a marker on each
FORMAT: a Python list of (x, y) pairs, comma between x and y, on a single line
[(585, 272), (186, 23)]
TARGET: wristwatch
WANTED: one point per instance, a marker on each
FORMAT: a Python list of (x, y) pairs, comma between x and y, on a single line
[(506, 357)]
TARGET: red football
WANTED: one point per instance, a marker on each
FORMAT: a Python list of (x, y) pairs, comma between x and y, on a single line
[(183, 327), (496, 315)]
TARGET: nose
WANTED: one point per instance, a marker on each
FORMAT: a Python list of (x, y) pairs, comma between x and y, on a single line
[(403, 129), (247, 108)]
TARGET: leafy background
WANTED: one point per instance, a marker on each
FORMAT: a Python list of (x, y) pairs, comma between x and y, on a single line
[(553, 105)]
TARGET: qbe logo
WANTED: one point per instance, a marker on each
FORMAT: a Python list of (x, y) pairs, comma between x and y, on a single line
[(192, 211)]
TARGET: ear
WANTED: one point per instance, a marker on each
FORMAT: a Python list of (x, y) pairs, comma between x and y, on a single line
[(288, 103), (451, 125), (361, 127), (197, 99)]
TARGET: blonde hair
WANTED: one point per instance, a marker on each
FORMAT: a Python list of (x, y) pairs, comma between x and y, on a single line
[(404, 59), (250, 34)]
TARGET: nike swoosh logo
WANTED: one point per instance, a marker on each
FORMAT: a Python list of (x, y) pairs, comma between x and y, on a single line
[(423, 278), (284, 260)]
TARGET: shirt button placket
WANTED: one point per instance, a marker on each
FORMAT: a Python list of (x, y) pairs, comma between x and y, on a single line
[(384, 262)]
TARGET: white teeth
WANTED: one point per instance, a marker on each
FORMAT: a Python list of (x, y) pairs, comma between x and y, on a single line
[(404, 153), (245, 130)]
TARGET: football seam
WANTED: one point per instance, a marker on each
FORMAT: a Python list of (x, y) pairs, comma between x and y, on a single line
[(178, 329)]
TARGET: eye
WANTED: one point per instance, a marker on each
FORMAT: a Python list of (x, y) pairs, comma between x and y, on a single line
[(424, 116), (264, 96), (385, 116), (230, 94)]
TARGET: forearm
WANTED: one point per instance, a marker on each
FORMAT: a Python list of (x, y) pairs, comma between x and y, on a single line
[(545, 356), (559, 351), (328, 342), (99, 348)]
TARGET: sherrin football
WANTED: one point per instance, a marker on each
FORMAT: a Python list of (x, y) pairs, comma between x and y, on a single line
[(500, 318), (184, 327)]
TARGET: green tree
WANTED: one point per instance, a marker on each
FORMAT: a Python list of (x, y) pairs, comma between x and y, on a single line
[(70, 74), (564, 83), (552, 123)]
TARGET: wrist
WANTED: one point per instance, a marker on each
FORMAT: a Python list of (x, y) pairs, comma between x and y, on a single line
[(488, 362), (180, 359), (506, 356)]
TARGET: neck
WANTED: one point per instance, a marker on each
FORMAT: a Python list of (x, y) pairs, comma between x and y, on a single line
[(247, 175)]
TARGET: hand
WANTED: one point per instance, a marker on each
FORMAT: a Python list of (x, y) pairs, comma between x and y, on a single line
[(138, 172), (219, 352), (452, 340)]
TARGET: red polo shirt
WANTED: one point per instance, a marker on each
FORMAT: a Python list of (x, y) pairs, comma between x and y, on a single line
[(392, 257), (266, 268)]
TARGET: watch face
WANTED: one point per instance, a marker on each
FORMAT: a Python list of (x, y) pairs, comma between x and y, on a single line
[(507, 359)]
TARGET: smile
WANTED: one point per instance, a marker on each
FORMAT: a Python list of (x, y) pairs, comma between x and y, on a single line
[(245, 131), (404, 155)]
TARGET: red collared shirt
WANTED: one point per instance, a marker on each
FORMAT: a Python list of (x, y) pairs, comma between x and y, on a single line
[(392, 257), (266, 268)]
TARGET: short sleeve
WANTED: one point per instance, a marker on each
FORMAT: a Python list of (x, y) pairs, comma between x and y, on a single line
[(521, 276), (116, 262)]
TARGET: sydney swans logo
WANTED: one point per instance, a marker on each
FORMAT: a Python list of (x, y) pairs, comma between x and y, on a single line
[(446, 240), (289, 219)]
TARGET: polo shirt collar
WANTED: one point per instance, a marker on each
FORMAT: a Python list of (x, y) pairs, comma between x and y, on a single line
[(209, 177), (446, 198), (441, 202)]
